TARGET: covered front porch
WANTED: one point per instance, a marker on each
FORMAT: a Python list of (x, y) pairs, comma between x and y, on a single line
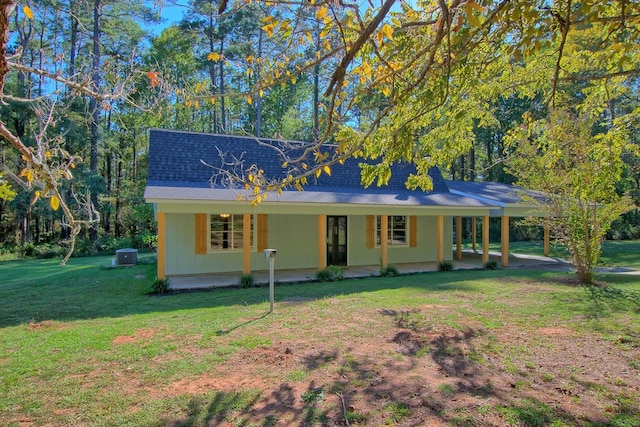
[(470, 260)]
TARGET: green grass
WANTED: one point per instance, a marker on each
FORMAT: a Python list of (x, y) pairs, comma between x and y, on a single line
[(616, 253), (86, 344)]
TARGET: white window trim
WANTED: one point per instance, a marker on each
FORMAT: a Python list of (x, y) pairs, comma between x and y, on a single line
[(254, 236), (390, 244)]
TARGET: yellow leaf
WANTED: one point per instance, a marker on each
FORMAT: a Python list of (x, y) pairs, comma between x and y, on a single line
[(269, 28), (318, 173), (249, 100), (47, 154), (473, 20), (387, 30), (321, 13), (476, 6), (212, 101), (327, 170), (261, 93), (308, 36), (54, 202), (28, 12), (214, 56), (250, 58), (304, 166), (294, 79), (267, 19)]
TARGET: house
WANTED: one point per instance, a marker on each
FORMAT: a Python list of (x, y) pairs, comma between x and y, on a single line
[(203, 228)]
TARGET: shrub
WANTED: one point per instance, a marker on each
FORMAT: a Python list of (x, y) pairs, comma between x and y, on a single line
[(150, 240), (389, 271), (490, 265), (110, 244), (160, 286), (445, 266), (246, 280), (333, 273)]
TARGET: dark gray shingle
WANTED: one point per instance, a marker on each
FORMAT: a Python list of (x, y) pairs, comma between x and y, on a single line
[(176, 159)]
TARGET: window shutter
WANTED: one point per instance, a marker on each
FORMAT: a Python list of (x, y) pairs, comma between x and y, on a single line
[(371, 231), (262, 233), (413, 231), (201, 234)]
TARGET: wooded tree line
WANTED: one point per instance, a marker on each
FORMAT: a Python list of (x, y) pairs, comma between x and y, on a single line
[(431, 82)]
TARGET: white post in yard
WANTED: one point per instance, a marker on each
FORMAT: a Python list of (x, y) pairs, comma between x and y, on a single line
[(270, 254)]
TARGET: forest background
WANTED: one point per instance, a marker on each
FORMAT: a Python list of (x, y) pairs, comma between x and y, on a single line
[(89, 78)]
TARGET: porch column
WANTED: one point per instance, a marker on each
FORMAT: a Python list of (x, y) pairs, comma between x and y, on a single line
[(246, 243), (384, 235), (440, 238), (473, 233), (459, 238), (322, 241), (504, 241), (485, 239), (546, 240), (162, 244)]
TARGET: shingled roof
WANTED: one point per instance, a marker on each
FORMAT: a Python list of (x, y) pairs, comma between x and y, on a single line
[(178, 170)]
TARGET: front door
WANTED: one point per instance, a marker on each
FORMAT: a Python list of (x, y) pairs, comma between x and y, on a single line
[(336, 240)]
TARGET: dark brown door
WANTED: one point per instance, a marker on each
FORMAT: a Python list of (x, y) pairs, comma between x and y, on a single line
[(336, 240)]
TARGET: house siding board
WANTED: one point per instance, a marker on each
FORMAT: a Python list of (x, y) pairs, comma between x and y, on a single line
[(424, 251), (180, 258), (295, 238)]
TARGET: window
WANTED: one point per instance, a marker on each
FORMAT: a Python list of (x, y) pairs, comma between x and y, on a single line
[(227, 232), (397, 230)]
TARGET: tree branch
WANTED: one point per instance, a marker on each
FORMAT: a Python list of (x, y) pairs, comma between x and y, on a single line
[(338, 75)]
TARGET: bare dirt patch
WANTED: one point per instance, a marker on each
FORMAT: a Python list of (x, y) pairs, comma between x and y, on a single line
[(416, 376), (139, 334)]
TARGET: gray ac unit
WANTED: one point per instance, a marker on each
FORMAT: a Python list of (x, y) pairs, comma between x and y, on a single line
[(126, 256)]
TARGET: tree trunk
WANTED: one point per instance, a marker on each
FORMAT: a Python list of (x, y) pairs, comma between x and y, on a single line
[(95, 110), (73, 43), (472, 164), (259, 100), (118, 225), (316, 91), (223, 119), (6, 8)]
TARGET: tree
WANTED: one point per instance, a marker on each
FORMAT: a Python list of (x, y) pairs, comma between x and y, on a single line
[(426, 76), (45, 161), (405, 82), (575, 168)]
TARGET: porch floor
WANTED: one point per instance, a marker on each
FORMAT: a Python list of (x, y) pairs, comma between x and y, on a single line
[(470, 260)]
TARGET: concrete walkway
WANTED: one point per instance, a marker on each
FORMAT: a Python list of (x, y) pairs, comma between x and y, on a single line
[(470, 260)]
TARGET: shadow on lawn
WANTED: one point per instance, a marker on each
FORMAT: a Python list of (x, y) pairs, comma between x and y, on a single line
[(362, 390)]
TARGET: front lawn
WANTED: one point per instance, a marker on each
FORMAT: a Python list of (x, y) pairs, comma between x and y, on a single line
[(86, 345)]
